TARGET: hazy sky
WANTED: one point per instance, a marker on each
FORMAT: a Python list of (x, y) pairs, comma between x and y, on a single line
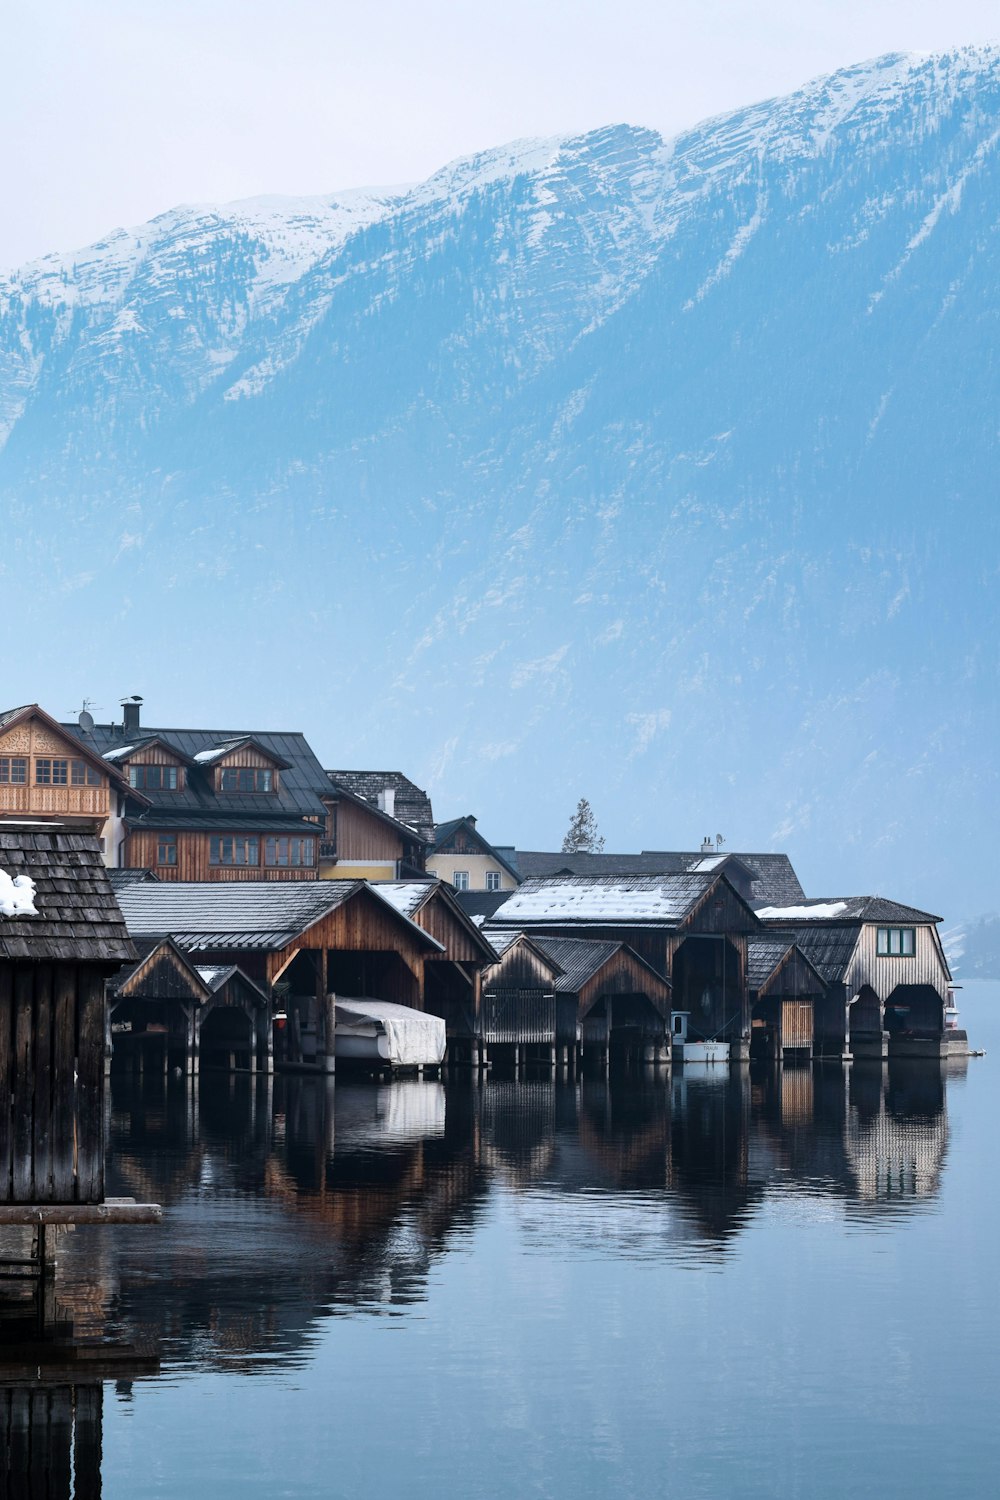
[(114, 110)]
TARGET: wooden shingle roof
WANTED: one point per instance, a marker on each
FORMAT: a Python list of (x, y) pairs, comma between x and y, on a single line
[(772, 877), (78, 917)]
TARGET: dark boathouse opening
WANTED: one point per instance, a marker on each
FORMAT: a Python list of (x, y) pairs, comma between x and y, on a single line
[(708, 983)]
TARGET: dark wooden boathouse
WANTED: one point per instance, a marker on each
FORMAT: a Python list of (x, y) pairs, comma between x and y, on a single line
[(785, 990), (54, 961)]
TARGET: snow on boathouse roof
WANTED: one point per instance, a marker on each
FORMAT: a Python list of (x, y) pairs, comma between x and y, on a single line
[(843, 909), (630, 900)]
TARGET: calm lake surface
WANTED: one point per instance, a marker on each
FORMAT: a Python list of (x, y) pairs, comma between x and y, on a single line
[(780, 1284)]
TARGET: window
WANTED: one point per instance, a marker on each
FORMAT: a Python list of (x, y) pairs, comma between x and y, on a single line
[(82, 774), (153, 778), (492, 880), (49, 772), (166, 849), (896, 942), (234, 850), (246, 779), (13, 770), (291, 851), (460, 880)]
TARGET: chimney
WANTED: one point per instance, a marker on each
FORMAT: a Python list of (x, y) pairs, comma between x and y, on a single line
[(130, 714), (470, 819), (387, 802), (707, 847)]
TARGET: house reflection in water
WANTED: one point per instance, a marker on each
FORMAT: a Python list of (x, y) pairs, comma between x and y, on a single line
[(295, 1199)]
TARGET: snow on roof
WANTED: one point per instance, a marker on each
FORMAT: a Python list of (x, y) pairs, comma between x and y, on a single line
[(592, 898), (120, 753), (17, 896), (819, 911), (403, 896)]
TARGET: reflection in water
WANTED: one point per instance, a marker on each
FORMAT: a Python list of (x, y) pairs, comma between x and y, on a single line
[(295, 1200)]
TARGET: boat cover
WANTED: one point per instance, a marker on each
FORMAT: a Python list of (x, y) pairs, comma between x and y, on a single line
[(415, 1038)]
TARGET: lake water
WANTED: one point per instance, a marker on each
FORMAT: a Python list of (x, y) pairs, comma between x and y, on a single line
[(783, 1283)]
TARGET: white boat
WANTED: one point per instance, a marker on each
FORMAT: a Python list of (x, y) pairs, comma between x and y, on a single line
[(704, 1052), (380, 1034)]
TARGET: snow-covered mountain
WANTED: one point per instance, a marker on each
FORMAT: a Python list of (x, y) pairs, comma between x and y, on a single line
[(662, 472)]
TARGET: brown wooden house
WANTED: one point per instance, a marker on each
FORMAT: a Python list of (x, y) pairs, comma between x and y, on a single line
[(47, 773), (302, 942), (785, 991)]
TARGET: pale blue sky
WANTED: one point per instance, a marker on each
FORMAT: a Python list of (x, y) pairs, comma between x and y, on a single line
[(113, 110)]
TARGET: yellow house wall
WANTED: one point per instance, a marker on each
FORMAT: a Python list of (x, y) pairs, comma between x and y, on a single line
[(445, 865), (366, 870)]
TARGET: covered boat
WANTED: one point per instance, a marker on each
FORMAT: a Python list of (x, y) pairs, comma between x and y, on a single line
[(380, 1034)]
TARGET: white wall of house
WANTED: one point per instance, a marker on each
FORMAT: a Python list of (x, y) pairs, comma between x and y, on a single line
[(476, 867)]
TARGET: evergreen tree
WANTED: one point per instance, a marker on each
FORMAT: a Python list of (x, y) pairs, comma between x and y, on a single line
[(582, 836)]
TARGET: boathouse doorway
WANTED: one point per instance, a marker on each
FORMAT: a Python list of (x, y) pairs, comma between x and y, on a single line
[(708, 983)]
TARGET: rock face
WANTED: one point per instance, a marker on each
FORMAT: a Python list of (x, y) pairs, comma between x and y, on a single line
[(663, 472)]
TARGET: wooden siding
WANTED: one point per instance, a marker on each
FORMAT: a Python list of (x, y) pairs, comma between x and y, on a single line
[(247, 756), (624, 975), (30, 738), (796, 1023), (363, 923), (361, 835), (52, 1023), (436, 918), (521, 967), (884, 973), (194, 851)]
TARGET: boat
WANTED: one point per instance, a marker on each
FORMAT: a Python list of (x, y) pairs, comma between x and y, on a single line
[(380, 1034)]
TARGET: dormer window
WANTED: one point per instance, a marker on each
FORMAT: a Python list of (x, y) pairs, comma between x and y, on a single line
[(153, 778), (246, 779)]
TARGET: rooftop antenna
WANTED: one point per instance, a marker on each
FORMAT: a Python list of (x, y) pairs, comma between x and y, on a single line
[(85, 718), (719, 841)]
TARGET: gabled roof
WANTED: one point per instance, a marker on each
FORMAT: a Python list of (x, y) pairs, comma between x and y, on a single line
[(78, 918), (828, 948), (11, 716), (216, 977), (765, 955), (255, 915), (123, 753), (372, 810), (134, 973), (502, 941), (600, 901), (481, 904), (409, 897), (412, 806), (303, 782), (841, 909), (443, 832), (772, 875), (214, 754), (581, 958)]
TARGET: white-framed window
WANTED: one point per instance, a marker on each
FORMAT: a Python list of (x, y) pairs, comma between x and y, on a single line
[(493, 880), (460, 880)]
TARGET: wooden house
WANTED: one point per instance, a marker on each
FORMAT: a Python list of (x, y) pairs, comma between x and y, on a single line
[(785, 990), (691, 929), (366, 836), (755, 877), (164, 1011), (886, 975), (452, 977), (54, 961), (303, 942), (463, 857), (47, 773), (609, 996), (519, 992)]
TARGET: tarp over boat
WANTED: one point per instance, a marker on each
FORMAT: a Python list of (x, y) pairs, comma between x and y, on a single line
[(408, 1038)]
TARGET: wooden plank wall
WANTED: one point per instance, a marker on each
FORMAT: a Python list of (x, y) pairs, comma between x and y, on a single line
[(361, 835), (193, 851), (51, 1083)]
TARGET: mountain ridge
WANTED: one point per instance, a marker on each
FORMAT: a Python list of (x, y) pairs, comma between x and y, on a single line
[(659, 470)]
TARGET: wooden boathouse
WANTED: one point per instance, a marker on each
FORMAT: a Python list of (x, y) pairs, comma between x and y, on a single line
[(691, 929), (785, 991), (886, 975), (301, 943), (61, 938)]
